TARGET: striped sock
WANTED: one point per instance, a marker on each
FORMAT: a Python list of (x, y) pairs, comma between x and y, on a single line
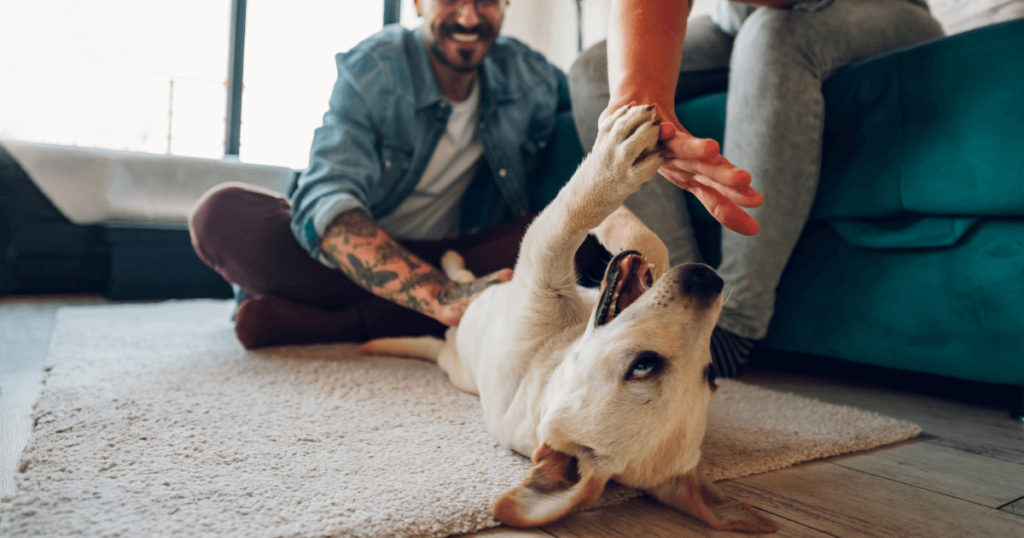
[(729, 353)]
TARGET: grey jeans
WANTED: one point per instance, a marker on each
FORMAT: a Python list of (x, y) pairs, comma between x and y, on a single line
[(773, 69)]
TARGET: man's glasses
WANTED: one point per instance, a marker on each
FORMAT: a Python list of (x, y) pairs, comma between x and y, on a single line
[(479, 5)]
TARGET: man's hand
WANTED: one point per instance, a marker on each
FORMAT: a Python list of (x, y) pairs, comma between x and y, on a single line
[(379, 264), (697, 166), (453, 298)]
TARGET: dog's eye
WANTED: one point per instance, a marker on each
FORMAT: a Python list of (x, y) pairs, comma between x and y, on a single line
[(645, 364)]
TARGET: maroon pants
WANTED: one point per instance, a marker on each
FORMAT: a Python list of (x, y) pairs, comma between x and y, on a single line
[(245, 235)]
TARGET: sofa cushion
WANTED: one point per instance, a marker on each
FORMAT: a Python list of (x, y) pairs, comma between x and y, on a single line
[(931, 129), (905, 232)]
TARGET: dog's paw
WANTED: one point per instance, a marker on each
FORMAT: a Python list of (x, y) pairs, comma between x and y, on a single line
[(627, 146)]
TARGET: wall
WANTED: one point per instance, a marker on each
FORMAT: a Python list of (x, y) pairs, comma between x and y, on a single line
[(962, 15), (549, 26)]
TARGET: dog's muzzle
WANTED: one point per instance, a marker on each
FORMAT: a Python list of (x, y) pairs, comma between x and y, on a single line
[(700, 281)]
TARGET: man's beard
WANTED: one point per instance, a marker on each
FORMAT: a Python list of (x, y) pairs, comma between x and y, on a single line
[(440, 55), (484, 31)]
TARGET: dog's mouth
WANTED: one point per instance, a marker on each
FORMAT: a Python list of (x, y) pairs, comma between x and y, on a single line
[(627, 278)]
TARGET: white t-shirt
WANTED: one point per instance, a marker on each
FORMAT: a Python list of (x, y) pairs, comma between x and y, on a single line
[(432, 210)]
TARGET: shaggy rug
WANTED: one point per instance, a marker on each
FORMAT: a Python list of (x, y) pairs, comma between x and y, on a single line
[(155, 422)]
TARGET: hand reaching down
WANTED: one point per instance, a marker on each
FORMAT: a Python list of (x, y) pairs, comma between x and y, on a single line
[(697, 166)]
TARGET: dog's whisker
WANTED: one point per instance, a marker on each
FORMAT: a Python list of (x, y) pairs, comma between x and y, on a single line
[(728, 294), (726, 307)]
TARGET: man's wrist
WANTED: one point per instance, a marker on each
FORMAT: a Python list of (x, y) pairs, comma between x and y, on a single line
[(628, 92)]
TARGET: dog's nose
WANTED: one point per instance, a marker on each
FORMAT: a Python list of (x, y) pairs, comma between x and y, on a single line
[(699, 279)]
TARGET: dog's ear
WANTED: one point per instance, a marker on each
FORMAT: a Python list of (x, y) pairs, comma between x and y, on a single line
[(699, 497), (552, 488)]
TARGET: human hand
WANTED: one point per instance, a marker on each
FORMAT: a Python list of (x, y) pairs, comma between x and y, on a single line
[(697, 166), (453, 297)]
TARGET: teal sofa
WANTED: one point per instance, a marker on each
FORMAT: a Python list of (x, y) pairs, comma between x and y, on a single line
[(914, 254)]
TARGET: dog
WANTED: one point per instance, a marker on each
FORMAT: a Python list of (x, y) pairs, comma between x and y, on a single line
[(595, 384)]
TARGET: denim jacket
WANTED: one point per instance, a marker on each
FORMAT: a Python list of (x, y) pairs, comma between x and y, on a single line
[(387, 115)]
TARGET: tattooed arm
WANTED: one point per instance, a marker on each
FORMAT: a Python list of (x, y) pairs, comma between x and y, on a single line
[(375, 261)]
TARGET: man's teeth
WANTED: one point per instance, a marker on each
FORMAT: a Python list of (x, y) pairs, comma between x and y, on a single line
[(466, 37)]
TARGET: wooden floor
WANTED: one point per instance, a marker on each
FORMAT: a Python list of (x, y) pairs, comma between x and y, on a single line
[(963, 477)]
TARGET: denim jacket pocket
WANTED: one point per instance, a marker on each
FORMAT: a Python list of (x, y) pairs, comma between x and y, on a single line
[(394, 164)]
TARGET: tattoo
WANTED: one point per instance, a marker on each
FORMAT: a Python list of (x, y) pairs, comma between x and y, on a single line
[(455, 294), (365, 276), (353, 223), (418, 280), (382, 266), (413, 303), (389, 250)]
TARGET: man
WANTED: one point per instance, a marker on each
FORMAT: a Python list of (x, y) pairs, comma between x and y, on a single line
[(428, 143), (773, 56)]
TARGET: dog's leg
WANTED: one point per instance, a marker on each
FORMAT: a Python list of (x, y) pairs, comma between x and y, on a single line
[(455, 268), (622, 231), (442, 352), (460, 374), (625, 156), (419, 347)]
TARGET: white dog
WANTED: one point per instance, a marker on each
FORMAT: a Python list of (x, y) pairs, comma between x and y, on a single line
[(597, 385)]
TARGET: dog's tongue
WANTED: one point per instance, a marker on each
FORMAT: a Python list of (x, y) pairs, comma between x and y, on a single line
[(634, 279)]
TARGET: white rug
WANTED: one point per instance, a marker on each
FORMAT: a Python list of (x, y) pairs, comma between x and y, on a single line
[(155, 422)]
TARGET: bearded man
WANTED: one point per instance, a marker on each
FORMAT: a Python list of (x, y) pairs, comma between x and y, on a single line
[(428, 144)]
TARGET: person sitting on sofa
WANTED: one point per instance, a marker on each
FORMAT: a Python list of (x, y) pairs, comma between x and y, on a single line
[(773, 56), (427, 145)]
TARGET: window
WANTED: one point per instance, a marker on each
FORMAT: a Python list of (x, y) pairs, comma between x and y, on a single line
[(289, 71), (150, 76), (118, 74), (409, 18)]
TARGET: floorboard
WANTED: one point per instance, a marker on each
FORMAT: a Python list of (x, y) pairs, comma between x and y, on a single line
[(1016, 507), (650, 519), (509, 532), (848, 503), (969, 477), (973, 428)]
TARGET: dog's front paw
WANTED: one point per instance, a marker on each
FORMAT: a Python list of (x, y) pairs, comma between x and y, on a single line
[(627, 146)]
